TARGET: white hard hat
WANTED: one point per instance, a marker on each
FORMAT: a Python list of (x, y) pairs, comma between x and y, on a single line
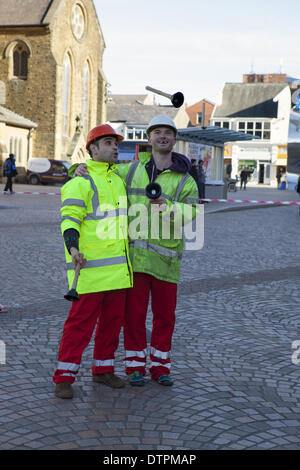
[(161, 120)]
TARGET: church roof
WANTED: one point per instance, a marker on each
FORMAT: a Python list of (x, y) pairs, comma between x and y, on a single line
[(14, 119), (23, 12), (116, 99)]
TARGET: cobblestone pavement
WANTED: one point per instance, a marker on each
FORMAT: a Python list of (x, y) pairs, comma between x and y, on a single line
[(236, 385)]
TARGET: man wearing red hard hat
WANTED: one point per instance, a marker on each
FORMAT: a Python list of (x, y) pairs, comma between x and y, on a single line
[(94, 227)]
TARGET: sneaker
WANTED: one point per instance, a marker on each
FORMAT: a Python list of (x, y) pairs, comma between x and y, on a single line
[(136, 379), (63, 390), (109, 379), (165, 380)]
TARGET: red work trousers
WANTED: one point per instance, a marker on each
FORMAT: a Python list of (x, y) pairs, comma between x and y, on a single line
[(108, 309), (163, 303)]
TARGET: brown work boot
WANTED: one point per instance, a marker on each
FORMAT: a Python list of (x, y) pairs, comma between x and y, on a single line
[(109, 379), (64, 390)]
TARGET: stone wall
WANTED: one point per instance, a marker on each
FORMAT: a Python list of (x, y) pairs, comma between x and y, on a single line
[(39, 97)]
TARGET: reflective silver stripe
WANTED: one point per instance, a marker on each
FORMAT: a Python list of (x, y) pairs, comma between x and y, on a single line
[(67, 366), (141, 354), (134, 364), (181, 184), (73, 202), (77, 221), (97, 214), (159, 364), (159, 354), (167, 197), (106, 214), (98, 263), (190, 200), (68, 375), (95, 198), (136, 191), (131, 172), (142, 192), (106, 362), (156, 249)]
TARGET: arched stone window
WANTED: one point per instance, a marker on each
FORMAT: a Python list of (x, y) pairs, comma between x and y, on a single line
[(18, 53), (20, 61), (66, 95), (85, 96)]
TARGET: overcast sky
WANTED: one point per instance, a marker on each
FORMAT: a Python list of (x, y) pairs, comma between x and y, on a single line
[(194, 46)]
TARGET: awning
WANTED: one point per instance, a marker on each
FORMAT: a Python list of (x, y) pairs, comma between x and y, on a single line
[(212, 135)]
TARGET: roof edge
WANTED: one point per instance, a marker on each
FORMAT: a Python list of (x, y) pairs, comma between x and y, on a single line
[(46, 11)]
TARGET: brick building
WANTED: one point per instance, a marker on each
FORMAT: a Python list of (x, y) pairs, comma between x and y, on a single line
[(51, 65), (200, 113), (264, 78)]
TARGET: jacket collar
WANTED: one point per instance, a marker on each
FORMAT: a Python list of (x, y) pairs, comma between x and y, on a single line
[(100, 166)]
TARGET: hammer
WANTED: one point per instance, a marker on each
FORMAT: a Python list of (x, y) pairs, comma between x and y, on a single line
[(177, 99), (72, 295)]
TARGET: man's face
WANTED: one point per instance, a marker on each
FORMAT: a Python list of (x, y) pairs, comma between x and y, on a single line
[(162, 139), (105, 150)]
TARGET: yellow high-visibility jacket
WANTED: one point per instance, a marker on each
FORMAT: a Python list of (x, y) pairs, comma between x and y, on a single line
[(96, 206)]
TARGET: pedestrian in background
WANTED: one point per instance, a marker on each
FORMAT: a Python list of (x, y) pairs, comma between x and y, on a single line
[(244, 177), (278, 177), (201, 180), (9, 170)]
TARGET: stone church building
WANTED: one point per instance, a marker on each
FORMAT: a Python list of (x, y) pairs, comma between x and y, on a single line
[(51, 70)]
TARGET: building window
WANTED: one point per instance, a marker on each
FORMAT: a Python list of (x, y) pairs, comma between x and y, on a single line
[(78, 21), (20, 61), (260, 129), (136, 133), (66, 95), (224, 124), (85, 97), (199, 119)]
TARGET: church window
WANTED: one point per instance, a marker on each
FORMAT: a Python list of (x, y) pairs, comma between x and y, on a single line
[(66, 95), (20, 61), (85, 96), (78, 21)]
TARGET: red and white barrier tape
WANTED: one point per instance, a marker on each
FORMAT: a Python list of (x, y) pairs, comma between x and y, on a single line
[(249, 201), (245, 201), (44, 194)]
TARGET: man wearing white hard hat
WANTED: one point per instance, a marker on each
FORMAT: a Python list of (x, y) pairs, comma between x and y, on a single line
[(155, 261)]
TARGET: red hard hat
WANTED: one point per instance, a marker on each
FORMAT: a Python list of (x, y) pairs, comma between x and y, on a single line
[(101, 131)]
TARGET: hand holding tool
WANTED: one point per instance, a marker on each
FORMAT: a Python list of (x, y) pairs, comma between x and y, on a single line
[(72, 295)]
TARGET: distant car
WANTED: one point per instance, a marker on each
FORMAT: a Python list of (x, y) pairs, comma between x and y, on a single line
[(47, 170)]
